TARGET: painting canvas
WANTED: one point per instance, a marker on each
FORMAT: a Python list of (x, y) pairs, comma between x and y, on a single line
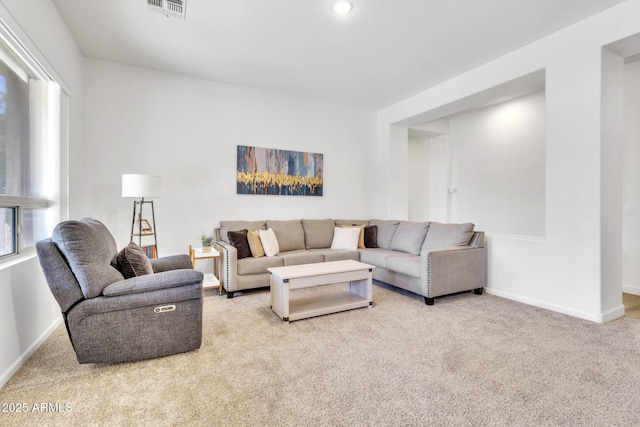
[(282, 172)]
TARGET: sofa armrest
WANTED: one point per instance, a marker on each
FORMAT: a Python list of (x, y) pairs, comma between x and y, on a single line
[(153, 282), (450, 270), (229, 265), (173, 262)]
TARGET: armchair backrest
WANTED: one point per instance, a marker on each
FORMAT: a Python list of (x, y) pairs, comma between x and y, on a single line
[(61, 280), (88, 249)]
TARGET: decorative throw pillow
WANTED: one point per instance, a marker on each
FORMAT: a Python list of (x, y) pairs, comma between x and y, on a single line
[(132, 261), (269, 242), (371, 236), (254, 244), (345, 238), (361, 237), (238, 240)]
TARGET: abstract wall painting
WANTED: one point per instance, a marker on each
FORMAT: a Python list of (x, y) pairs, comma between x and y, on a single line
[(279, 172)]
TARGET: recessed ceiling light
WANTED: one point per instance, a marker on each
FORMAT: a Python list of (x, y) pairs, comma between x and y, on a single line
[(342, 7)]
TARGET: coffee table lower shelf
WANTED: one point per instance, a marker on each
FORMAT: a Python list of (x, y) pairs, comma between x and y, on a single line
[(302, 308), (355, 275)]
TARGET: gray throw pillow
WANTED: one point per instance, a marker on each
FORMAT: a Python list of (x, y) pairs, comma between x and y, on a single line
[(133, 262)]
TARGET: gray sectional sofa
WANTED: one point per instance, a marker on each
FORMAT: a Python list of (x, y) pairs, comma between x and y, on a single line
[(427, 258)]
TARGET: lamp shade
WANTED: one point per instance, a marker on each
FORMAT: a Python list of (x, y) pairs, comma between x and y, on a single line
[(136, 185)]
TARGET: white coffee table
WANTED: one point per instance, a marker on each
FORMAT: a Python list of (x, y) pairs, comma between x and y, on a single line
[(285, 279)]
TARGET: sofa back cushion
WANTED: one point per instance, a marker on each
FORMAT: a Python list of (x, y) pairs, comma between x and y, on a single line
[(89, 249), (409, 237), (318, 233), (386, 230), (341, 222), (289, 233), (448, 235), (227, 226)]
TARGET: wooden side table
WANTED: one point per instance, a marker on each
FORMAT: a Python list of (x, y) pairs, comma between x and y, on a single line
[(211, 280)]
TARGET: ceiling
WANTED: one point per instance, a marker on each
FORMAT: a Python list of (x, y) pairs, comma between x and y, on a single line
[(380, 53)]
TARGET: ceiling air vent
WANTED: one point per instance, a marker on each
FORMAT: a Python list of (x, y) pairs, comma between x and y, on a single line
[(175, 8)]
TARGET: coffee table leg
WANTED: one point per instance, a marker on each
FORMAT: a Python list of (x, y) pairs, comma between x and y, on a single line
[(279, 297), (362, 288)]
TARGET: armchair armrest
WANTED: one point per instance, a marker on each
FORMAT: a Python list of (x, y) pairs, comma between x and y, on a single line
[(173, 262), (154, 282)]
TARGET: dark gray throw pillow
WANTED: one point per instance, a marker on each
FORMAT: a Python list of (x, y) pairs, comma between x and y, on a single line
[(238, 240), (371, 236), (132, 261)]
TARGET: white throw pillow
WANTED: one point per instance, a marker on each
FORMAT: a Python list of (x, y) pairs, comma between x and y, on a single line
[(345, 238), (269, 242)]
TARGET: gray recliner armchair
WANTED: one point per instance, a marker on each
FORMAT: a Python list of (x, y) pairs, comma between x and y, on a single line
[(111, 319)]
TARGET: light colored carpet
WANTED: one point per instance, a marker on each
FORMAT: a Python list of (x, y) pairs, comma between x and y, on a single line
[(467, 361)]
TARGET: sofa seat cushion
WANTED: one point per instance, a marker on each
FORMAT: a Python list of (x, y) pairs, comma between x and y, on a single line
[(340, 255), (289, 233), (226, 226), (258, 265), (318, 233), (301, 257), (409, 266), (379, 257)]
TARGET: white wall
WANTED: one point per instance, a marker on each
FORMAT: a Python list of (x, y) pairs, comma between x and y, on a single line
[(418, 155), (631, 179), (561, 271), (611, 164), (186, 130), (28, 312), (499, 167)]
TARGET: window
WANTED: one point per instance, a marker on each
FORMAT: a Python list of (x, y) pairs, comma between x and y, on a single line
[(24, 143)]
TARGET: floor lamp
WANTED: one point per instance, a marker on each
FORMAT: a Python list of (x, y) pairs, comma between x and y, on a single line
[(143, 187)]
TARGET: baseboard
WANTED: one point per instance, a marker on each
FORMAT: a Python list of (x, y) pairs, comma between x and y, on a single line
[(613, 314), (6, 375), (631, 289), (597, 318)]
